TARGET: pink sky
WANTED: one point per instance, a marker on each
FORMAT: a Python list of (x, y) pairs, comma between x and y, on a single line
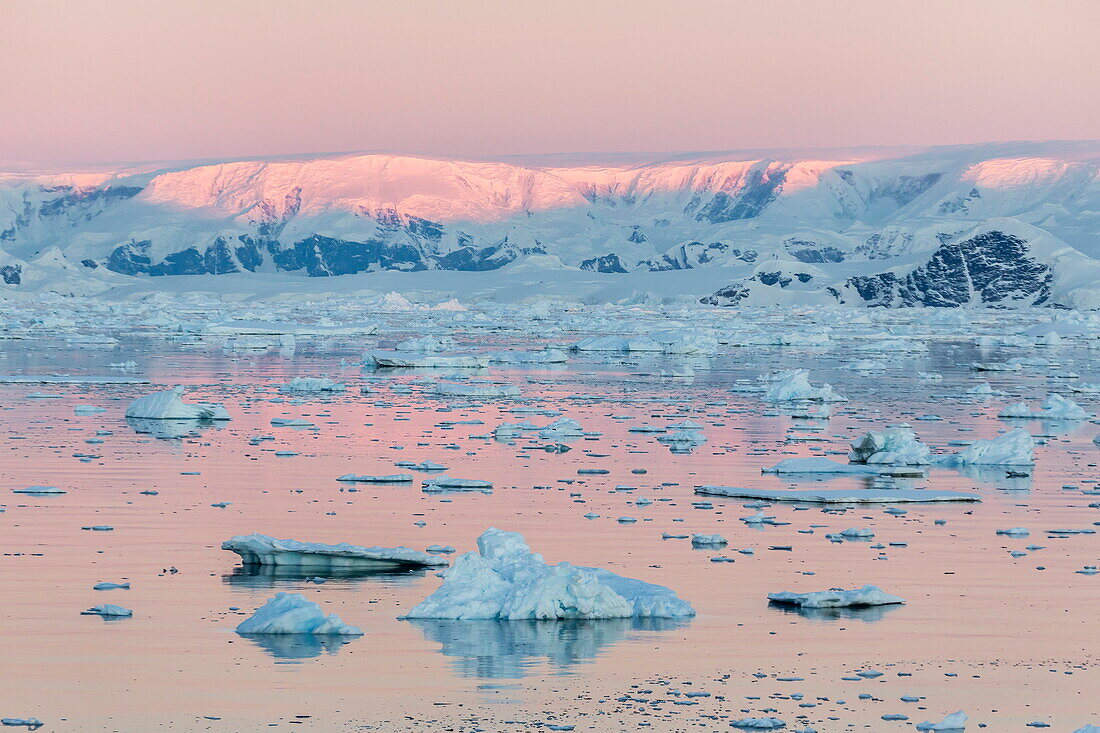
[(152, 80)]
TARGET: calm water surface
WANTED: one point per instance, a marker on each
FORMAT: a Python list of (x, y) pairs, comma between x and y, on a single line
[(1009, 640)]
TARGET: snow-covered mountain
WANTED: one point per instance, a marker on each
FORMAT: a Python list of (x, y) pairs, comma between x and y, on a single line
[(995, 224)]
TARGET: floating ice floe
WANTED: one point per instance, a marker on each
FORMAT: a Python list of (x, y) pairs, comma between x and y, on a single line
[(704, 540), (683, 439), (293, 613), (503, 579), (108, 610), (1055, 407), (868, 595), (258, 549), (840, 496), (794, 385), (892, 446), (393, 359), (168, 405), (394, 478), (440, 484), (1015, 532), (1088, 729), (819, 464), (617, 343), (31, 723), (39, 490), (88, 409), (111, 586), (1014, 448), (476, 389), (544, 356), (308, 385), (758, 724), (953, 722)]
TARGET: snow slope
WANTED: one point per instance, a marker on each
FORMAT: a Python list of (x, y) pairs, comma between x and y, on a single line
[(850, 226)]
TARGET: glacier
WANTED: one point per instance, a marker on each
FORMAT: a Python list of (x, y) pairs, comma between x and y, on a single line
[(995, 224)]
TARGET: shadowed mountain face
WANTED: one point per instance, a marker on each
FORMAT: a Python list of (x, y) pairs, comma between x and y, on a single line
[(944, 226)]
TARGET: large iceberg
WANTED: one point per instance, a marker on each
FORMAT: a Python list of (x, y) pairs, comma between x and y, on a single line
[(505, 580), (895, 446), (1014, 448), (293, 613), (168, 405), (868, 595), (259, 549)]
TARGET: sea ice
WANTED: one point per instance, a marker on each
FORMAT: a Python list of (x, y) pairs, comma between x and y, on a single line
[(312, 384), (1055, 407), (953, 722), (168, 405), (1014, 448), (868, 595), (293, 613), (503, 579), (895, 446), (476, 389), (430, 361), (108, 610), (447, 483), (258, 549), (794, 385), (840, 496)]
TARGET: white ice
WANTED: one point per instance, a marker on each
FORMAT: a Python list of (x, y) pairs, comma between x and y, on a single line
[(894, 446), (868, 595), (503, 579), (293, 613), (258, 549), (168, 405)]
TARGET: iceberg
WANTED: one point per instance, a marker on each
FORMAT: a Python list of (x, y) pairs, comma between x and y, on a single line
[(395, 478), (868, 595), (476, 389), (1014, 448), (758, 724), (293, 613), (503, 579), (895, 446), (108, 610), (258, 549), (818, 464), (953, 722), (312, 384), (794, 385), (840, 496), (617, 343), (444, 483), (168, 405), (392, 359), (1055, 407), (544, 356)]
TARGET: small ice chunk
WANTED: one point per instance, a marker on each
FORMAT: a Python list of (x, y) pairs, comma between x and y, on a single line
[(293, 613), (868, 595), (953, 722), (108, 610)]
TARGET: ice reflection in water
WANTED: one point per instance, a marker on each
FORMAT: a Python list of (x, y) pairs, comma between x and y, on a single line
[(292, 648), (866, 614), (513, 649), (270, 576)]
